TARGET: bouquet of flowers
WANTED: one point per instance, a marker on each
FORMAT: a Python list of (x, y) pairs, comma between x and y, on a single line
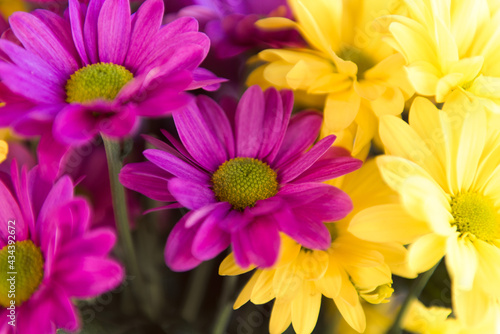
[(237, 166)]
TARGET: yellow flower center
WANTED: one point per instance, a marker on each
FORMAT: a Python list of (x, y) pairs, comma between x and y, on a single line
[(244, 181), (21, 272), (97, 81), (475, 214), (358, 57)]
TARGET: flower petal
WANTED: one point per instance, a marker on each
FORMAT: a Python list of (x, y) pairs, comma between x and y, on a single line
[(148, 179), (426, 251), (178, 256), (114, 31), (190, 194), (249, 121)]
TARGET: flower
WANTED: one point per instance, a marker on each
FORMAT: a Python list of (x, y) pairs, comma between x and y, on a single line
[(57, 258), (358, 76), (98, 69), (443, 165), (349, 269), (244, 182), (451, 47)]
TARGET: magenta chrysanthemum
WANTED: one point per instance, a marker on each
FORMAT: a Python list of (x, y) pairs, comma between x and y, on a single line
[(98, 69), (57, 258), (245, 183)]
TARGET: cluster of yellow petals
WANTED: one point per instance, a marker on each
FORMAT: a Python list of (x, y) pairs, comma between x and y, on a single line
[(347, 70)]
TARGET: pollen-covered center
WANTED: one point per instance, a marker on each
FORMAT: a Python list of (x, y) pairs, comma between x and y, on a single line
[(475, 214), (21, 272), (97, 81), (244, 181)]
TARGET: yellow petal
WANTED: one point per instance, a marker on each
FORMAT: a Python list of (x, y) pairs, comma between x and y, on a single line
[(312, 265), (246, 293), (276, 23), (340, 109), (488, 272), (228, 267), (263, 290), (286, 282), (461, 261), (402, 140), (305, 308), (281, 317), (4, 150), (424, 77), (352, 313), (329, 284), (472, 306), (424, 200), (446, 85), (369, 90), (426, 251), (387, 223), (391, 102), (411, 37)]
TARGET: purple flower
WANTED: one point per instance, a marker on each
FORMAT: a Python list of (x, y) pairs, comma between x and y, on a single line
[(98, 69), (57, 257), (245, 180), (231, 25)]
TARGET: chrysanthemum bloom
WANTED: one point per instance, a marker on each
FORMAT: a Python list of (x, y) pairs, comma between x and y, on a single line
[(99, 70), (244, 183), (351, 268), (444, 165), (451, 46), (359, 76), (57, 258)]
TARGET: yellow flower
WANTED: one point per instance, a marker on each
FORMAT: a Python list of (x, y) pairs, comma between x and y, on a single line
[(451, 45), (347, 64), (444, 165), (435, 320), (350, 268)]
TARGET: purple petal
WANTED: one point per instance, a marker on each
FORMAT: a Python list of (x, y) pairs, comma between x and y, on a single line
[(75, 124), (42, 41), (249, 122), (60, 27), (192, 195), (51, 156), (77, 17), (90, 29), (260, 241), (148, 179), (327, 169), (98, 242), (118, 124), (147, 22), (203, 78), (34, 319), (274, 122), (307, 232), (287, 106), (88, 276), (297, 167), (196, 216), (235, 220), (266, 206), (62, 311), (176, 166), (161, 102), (301, 133), (178, 256), (32, 87), (210, 240), (30, 62), (216, 119), (199, 139), (9, 211), (114, 31), (38, 121)]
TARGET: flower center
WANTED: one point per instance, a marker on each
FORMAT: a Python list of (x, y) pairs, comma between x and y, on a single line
[(358, 57), (100, 81), (244, 181), (21, 272), (475, 214)]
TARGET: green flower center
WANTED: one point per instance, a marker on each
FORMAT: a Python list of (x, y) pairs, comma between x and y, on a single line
[(358, 57), (97, 81), (21, 272), (244, 181), (475, 214)]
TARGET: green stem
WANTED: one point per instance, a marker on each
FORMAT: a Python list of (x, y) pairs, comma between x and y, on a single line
[(225, 309), (415, 291), (113, 155), (197, 288)]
